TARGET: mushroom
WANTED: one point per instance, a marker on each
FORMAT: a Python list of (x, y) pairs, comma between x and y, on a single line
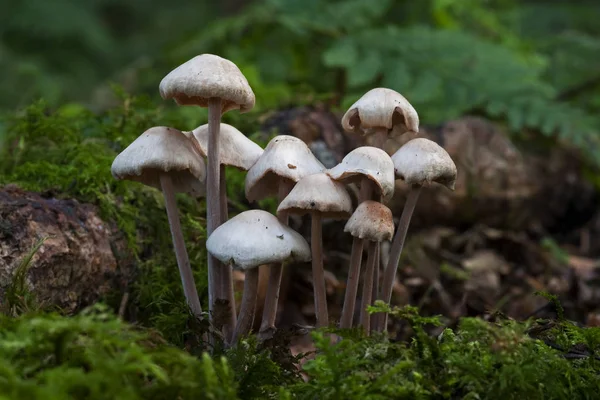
[(379, 111), (321, 197), (373, 169), (371, 221), (164, 158), (210, 81), (284, 162), (238, 151), (419, 162), (367, 165), (250, 239)]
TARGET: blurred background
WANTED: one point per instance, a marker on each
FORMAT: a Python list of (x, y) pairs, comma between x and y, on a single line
[(534, 63), (511, 88)]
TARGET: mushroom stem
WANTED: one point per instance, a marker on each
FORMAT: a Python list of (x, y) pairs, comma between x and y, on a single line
[(183, 261), (213, 204), (375, 292), (367, 294), (318, 272), (392, 267), (379, 137), (244, 323), (352, 284), (267, 326), (226, 284)]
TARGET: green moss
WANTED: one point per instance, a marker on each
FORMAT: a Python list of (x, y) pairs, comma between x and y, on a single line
[(96, 356)]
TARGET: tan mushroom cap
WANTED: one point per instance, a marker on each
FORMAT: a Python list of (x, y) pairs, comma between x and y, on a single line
[(285, 157), (162, 150), (371, 221), (206, 76), (367, 162), (422, 161), (318, 193), (235, 148), (381, 108), (256, 237)]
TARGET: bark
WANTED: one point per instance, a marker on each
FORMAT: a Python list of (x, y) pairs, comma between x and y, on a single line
[(82, 259)]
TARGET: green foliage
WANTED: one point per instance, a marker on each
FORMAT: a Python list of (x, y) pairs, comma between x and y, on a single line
[(96, 356)]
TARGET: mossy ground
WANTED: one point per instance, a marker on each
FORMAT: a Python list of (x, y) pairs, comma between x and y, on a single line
[(158, 355)]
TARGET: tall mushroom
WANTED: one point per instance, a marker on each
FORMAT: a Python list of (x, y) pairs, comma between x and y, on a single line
[(373, 170), (164, 158), (285, 161), (210, 81), (250, 239), (321, 197), (419, 162), (236, 150), (371, 221)]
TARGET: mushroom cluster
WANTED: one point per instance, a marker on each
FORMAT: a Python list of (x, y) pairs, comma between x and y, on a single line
[(194, 162)]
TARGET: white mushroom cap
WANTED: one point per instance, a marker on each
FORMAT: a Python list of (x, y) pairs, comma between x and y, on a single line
[(235, 148), (162, 150), (381, 108), (318, 193), (422, 161), (367, 162), (285, 157), (206, 76), (371, 221), (256, 237)]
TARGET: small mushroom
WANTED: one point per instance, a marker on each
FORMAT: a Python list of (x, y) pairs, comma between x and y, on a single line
[(285, 158), (164, 158), (379, 111), (321, 197), (371, 221), (250, 239), (236, 150), (210, 81), (367, 165), (419, 162), (284, 162)]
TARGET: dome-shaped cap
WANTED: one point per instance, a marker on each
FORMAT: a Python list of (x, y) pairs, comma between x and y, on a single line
[(367, 162), (318, 193), (235, 148), (422, 161), (206, 76), (381, 108), (371, 221), (256, 237), (162, 150), (285, 157)]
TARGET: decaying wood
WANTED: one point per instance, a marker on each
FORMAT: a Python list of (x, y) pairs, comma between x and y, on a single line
[(77, 263)]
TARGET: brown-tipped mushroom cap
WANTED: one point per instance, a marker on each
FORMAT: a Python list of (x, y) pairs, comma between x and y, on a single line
[(256, 237), (318, 193), (162, 150), (370, 163), (422, 161), (371, 221), (236, 149), (381, 108), (285, 157), (206, 76)]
